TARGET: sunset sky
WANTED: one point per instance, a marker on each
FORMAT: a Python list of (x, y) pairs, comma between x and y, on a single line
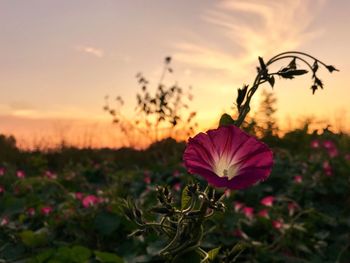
[(58, 59)]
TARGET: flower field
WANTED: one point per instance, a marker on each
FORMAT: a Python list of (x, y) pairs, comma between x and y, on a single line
[(225, 195), (68, 206)]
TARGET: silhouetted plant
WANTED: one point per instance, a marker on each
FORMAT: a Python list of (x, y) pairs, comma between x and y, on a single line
[(165, 110), (214, 156), (290, 71)]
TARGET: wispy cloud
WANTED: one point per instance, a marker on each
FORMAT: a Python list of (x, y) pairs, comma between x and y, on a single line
[(20, 108), (97, 52), (251, 28)]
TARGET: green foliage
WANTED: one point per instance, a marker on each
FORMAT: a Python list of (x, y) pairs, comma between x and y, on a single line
[(106, 223), (105, 257), (190, 257), (213, 253), (185, 198), (34, 239)]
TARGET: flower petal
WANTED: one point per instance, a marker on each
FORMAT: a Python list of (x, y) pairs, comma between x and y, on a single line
[(212, 155)]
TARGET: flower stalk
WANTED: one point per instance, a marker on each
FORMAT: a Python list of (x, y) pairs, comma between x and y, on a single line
[(288, 72)]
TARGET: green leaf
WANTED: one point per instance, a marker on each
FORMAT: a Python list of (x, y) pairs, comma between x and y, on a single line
[(185, 198), (240, 246), (241, 95), (44, 256), (226, 120), (63, 254), (106, 257), (31, 239), (81, 254), (213, 253), (189, 257), (106, 223), (271, 80)]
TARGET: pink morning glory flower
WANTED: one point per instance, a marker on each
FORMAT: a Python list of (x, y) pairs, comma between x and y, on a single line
[(31, 211), (315, 144), (78, 195), (267, 201), (228, 157), (4, 221), (298, 179), (333, 152), (20, 174), (263, 213), (46, 210), (277, 224), (90, 200), (50, 175), (177, 187), (328, 144), (147, 179), (227, 192), (237, 206), (327, 168), (248, 212), (2, 171)]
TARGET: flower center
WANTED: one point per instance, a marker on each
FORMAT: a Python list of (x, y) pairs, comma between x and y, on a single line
[(223, 167)]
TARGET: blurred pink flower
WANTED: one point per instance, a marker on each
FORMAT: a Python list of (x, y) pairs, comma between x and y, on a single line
[(268, 200), (263, 213), (347, 156), (50, 175), (147, 179), (46, 210), (2, 171), (90, 200), (328, 144), (20, 174), (298, 179), (237, 205), (248, 212), (31, 211), (176, 173), (227, 192), (315, 144), (177, 187), (228, 157), (4, 221), (327, 168), (333, 152), (78, 195), (277, 224)]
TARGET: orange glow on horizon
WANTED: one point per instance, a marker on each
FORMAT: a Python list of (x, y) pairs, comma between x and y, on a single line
[(59, 60)]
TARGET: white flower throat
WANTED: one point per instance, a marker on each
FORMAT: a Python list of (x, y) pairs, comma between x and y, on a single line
[(225, 167)]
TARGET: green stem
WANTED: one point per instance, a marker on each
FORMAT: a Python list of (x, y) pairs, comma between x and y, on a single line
[(296, 52), (284, 57)]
